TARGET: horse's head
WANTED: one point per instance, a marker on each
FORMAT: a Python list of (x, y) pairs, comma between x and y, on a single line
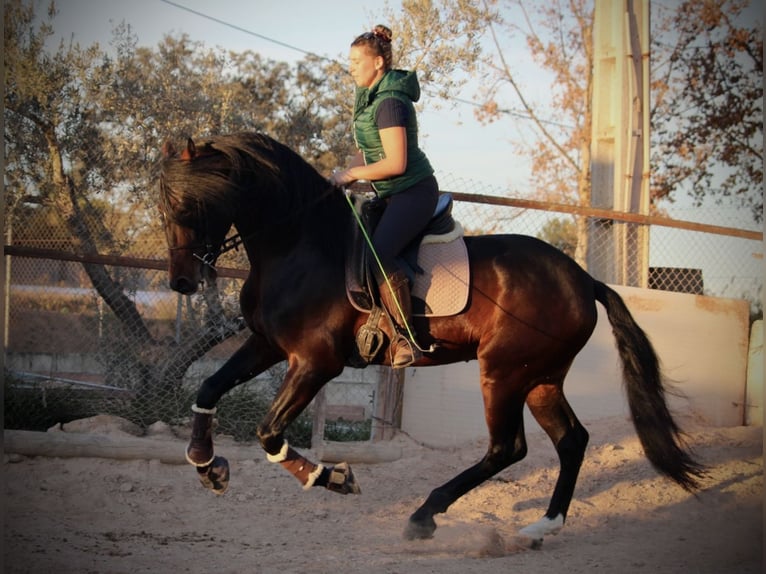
[(195, 225)]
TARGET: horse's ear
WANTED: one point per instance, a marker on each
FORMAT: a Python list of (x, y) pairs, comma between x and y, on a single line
[(168, 150), (191, 150)]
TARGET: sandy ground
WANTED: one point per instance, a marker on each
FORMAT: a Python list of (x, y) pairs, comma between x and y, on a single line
[(89, 515)]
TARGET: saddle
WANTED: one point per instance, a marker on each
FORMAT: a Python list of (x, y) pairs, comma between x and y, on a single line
[(436, 262)]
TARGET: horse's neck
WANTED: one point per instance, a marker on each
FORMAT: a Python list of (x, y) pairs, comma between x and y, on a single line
[(317, 237)]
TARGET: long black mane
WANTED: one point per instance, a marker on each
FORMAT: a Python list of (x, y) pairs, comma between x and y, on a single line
[(227, 169)]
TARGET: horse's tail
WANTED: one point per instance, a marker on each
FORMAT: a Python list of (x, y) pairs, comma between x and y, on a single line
[(658, 432)]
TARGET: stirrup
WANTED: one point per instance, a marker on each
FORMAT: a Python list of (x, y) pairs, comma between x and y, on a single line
[(403, 344)]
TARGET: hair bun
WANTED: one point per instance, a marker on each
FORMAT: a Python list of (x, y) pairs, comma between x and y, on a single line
[(382, 33)]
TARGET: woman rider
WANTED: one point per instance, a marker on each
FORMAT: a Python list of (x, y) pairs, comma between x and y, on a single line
[(386, 133)]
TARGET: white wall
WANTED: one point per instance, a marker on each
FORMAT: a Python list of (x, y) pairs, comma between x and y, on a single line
[(702, 342), (754, 390)]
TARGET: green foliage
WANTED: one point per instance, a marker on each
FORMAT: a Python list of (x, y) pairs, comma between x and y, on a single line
[(83, 134), (347, 431), (241, 410), (561, 233), (39, 406)]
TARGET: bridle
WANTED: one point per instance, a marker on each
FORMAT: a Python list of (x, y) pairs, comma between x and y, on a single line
[(211, 255)]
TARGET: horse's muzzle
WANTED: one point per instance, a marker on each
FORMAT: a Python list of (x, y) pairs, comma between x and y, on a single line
[(183, 285)]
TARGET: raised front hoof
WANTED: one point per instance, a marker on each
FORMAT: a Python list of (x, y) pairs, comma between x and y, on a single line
[(342, 480), (419, 529), (215, 476)]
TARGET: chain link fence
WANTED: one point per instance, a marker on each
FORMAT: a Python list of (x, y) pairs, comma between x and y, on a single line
[(69, 355)]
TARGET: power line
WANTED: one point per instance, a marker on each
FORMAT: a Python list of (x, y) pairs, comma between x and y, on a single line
[(244, 30), (509, 112)]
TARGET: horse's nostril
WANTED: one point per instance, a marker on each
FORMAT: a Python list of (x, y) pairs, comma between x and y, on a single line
[(183, 285)]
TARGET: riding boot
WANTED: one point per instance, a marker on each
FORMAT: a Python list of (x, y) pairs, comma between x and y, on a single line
[(403, 351)]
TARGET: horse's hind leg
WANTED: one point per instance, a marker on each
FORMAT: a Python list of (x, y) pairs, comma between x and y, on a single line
[(506, 446), (552, 411)]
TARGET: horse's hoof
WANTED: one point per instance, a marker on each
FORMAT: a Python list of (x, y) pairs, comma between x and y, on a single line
[(215, 476), (419, 529), (532, 536), (342, 480)]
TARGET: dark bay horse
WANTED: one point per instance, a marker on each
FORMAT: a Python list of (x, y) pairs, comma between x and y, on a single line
[(531, 309)]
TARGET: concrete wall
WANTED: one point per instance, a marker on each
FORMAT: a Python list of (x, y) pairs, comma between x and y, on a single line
[(754, 389), (46, 363), (703, 344)]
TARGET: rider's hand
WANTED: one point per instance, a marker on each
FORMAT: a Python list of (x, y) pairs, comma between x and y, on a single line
[(341, 178)]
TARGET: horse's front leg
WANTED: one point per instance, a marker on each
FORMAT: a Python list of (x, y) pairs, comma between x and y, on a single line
[(252, 358), (300, 386)]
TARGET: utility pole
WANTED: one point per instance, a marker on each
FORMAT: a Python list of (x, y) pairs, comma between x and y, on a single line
[(618, 252)]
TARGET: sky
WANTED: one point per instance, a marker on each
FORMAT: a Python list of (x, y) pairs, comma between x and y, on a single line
[(482, 156), (454, 141), (467, 156)]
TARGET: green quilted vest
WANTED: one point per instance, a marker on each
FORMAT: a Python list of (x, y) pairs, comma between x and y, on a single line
[(403, 86)]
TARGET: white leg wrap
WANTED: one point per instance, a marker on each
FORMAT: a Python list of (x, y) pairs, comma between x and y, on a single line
[(542, 527), (313, 477), (198, 464), (196, 409), (280, 456)]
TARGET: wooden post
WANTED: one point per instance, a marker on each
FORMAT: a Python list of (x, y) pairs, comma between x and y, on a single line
[(320, 414), (387, 412)]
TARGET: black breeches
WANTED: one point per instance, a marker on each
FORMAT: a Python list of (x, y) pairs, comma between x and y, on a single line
[(406, 214)]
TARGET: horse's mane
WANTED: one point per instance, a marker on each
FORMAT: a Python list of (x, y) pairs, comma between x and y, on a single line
[(226, 166)]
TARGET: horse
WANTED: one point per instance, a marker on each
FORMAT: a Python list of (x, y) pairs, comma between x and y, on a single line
[(530, 311)]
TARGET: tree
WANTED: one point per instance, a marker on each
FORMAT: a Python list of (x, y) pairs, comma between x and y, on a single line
[(441, 40), (83, 130), (47, 134), (559, 40), (560, 233), (707, 117), (707, 113)]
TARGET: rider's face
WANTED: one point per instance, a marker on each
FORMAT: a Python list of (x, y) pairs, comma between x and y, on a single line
[(365, 67)]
